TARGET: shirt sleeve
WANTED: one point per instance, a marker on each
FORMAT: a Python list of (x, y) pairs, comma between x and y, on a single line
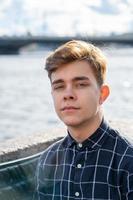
[(129, 194), (127, 178), (39, 193)]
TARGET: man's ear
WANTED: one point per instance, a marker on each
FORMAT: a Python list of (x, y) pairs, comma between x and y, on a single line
[(105, 91)]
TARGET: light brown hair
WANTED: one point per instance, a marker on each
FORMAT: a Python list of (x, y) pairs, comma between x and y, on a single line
[(77, 50)]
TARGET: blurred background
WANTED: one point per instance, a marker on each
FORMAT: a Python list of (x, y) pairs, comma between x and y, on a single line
[(28, 31), (63, 18)]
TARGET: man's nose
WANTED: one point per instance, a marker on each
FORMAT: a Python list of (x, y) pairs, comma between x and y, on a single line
[(69, 93)]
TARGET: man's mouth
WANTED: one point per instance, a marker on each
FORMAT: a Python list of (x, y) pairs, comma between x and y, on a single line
[(69, 108)]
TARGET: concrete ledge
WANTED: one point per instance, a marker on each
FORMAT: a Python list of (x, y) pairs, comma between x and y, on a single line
[(21, 147), (25, 146)]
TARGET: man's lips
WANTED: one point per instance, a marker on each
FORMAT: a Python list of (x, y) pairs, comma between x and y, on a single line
[(69, 108)]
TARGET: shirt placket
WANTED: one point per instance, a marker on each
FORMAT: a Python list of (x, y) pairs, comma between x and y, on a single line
[(78, 164)]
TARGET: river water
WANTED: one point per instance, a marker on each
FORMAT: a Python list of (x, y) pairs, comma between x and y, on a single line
[(26, 105)]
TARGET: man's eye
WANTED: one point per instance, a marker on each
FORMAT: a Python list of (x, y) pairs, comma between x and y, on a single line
[(82, 84), (56, 87)]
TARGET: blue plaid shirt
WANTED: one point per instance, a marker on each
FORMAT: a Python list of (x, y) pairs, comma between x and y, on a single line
[(100, 168)]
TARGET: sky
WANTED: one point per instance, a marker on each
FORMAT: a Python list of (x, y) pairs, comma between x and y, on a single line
[(65, 17)]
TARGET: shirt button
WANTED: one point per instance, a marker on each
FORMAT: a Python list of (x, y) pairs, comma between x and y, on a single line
[(79, 165), (77, 194), (80, 145)]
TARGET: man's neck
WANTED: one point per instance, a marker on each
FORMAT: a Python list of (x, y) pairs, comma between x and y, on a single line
[(84, 131)]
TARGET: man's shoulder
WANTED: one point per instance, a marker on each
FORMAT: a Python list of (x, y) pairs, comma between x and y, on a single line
[(120, 149), (123, 143), (52, 149)]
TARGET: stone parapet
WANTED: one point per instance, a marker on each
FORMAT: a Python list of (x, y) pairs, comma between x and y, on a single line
[(25, 146)]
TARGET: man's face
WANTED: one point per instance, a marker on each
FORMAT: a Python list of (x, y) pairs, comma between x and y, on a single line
[(76, 93)]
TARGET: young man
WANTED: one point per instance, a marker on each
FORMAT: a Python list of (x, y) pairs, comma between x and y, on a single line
[(93, 162)]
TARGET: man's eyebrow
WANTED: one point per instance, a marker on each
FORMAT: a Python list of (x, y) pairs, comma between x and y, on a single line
[(81, 78), (57, 81), (77, 78)]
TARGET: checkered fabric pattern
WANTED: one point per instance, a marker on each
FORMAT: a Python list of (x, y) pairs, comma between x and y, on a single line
[(100, 168)]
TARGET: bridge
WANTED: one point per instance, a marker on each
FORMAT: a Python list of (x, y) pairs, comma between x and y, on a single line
[(11, 45)]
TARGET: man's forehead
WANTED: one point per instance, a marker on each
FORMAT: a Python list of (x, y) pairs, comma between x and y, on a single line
[(73, 71)]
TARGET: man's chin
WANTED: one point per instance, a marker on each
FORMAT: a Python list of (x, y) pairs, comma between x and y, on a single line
[(71, 123)]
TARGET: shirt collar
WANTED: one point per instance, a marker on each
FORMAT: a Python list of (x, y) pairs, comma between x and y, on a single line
[(69, 141), (98, 137), (94, 141)]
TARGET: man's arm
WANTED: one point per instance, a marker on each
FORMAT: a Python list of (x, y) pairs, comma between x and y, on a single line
[(39, 185), (129, 194)]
